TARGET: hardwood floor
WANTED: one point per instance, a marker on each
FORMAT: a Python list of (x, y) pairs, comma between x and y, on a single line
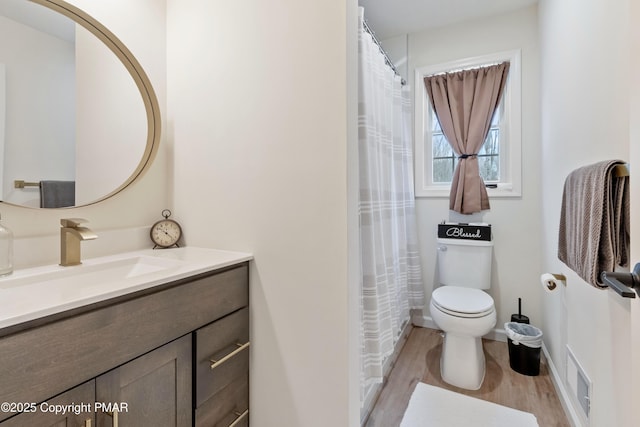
[(419, 360)]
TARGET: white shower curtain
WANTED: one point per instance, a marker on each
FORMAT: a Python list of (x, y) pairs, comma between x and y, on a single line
[(391, 275)]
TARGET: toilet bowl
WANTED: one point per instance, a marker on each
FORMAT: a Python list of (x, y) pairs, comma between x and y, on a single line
[(464, 315)]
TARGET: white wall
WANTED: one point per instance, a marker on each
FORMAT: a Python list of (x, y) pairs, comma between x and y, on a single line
[(141, 25), (258, 123), (111, 128), (634, 158), (397, 49), (40, 83), (585, 118), (2, 116), (516, 222)]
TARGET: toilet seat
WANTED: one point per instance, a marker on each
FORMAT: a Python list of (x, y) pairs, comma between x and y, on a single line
[(462, 302)]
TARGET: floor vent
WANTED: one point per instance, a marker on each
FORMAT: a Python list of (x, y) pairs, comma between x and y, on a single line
[(579, 383)]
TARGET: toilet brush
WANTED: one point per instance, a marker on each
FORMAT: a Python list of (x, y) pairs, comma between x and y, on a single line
[(520, 318)]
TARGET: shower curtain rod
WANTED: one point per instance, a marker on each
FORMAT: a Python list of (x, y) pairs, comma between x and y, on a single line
[(384, 53)]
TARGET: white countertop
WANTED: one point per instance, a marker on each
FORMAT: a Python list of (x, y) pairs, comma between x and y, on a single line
[(33, 293)]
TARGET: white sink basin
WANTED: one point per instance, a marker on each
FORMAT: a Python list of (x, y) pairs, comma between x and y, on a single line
[(92, 273), (37, 292), (88, 274)]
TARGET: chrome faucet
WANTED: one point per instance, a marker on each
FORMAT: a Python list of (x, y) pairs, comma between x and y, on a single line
[(71, 234)]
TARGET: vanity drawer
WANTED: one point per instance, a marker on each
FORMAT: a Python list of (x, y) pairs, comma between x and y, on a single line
[(222, 354), (229, 407)]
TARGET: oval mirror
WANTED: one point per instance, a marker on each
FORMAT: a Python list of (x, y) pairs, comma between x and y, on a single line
[(79, 120)]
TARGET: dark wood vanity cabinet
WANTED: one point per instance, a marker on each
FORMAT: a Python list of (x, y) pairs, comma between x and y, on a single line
[(173, 356)]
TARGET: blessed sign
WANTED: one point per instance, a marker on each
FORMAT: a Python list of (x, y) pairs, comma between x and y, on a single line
[(464, 231)]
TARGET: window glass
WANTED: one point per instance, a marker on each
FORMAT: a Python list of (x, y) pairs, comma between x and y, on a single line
[(445, 160)]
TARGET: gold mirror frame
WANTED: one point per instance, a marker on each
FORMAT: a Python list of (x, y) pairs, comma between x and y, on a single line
[(135, 70)]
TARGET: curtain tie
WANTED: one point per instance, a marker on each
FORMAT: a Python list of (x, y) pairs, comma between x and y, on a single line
[(466, 156)]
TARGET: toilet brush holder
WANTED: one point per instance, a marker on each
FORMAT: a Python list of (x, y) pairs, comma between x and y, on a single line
[(520, 318)]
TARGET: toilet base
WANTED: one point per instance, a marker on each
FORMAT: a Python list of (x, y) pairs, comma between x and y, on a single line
[(462, 363)]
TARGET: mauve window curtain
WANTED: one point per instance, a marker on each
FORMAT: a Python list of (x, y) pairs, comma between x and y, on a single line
[(464, 103)]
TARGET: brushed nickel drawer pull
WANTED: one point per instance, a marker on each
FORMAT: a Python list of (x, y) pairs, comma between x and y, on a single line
[(215, 363), (240, 417), (113, 415)]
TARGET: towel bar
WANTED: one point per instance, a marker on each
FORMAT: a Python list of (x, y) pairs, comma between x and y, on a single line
[(19, 183), (623, 283), (620, 171)]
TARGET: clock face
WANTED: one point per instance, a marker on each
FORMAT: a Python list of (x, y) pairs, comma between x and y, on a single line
[(166, 233)]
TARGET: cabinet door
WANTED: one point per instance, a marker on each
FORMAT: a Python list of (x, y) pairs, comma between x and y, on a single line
[(78, 403), (153, 390)]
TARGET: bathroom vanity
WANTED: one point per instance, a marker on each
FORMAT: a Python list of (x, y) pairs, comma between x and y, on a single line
[(153, 347)]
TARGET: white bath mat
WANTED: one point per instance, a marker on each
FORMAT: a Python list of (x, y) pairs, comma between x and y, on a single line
[(436, 407)]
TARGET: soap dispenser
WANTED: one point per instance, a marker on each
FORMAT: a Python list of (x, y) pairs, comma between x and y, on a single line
[(6, 250)]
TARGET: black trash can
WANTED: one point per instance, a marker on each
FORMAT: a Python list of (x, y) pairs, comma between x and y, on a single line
[(525, 343)]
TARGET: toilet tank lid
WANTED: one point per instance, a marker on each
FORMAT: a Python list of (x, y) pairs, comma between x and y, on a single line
[(464, 242)]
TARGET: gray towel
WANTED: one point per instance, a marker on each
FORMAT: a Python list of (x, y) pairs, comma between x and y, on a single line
[(57, 194), (594, 221)]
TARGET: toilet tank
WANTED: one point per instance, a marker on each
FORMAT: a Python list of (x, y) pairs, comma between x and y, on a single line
[(465, 263)]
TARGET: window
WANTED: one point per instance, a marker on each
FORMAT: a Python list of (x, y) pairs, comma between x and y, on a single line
[(444, 160), (499, 157)]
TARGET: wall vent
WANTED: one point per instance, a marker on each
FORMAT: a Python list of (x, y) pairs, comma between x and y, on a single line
[(579, 384)]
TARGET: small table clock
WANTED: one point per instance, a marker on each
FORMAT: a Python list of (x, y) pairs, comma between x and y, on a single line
[(166, 232)]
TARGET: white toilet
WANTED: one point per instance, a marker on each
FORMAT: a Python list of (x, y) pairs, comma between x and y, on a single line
[(462, 310)]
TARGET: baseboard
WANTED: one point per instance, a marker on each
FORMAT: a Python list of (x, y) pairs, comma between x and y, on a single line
[(427, 322), (424, 322), (561, 390), (496, 335)]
